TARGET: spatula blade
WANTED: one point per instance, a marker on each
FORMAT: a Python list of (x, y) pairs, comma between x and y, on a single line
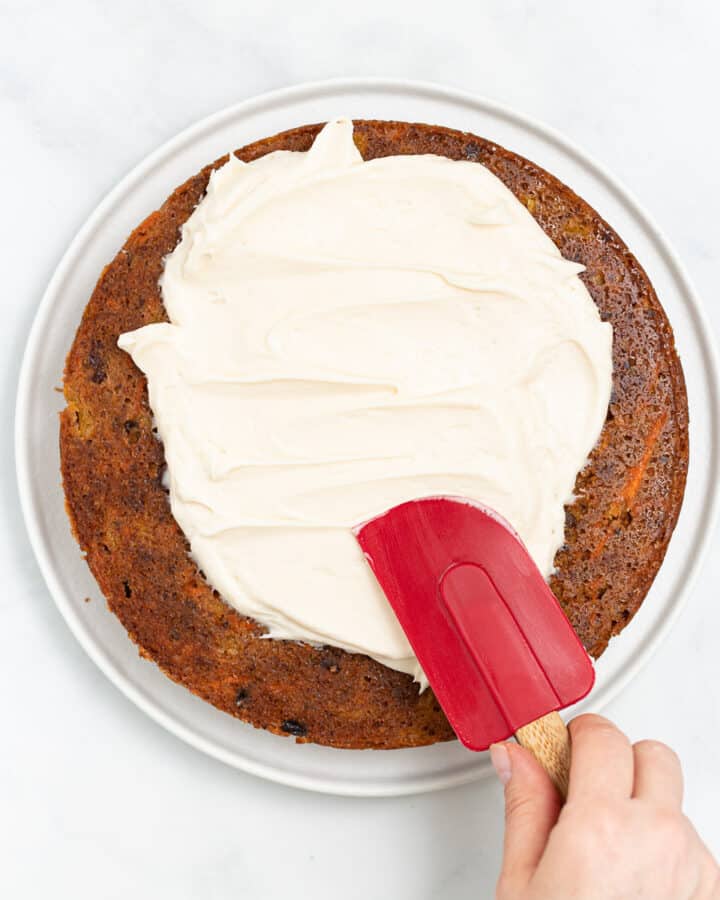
[(491, 637)]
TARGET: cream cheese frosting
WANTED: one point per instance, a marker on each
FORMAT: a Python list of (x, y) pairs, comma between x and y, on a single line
[(346, 335)]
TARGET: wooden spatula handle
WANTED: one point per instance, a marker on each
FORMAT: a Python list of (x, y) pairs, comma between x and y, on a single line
[(549, 742)]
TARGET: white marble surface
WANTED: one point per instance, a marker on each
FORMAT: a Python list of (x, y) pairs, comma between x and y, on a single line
[(95, 799)]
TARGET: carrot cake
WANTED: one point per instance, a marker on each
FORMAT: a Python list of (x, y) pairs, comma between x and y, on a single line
[(330, 331)]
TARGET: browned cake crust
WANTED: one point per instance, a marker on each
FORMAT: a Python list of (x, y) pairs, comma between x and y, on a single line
[(618, 529)]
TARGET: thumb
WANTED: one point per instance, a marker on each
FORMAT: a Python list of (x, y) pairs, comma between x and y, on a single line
[(532, 807)]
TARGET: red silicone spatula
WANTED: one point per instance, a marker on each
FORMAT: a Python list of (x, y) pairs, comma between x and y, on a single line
[(497, 649)]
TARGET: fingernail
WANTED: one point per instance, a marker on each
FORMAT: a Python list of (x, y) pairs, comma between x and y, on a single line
[(501, 762)]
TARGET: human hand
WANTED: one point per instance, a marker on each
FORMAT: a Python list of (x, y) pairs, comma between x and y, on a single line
[(620, 836)]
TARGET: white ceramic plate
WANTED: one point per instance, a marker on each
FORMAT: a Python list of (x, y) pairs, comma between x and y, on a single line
[(369, 773)]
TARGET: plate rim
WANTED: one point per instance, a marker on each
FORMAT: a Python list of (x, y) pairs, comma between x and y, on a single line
[(288, 94)]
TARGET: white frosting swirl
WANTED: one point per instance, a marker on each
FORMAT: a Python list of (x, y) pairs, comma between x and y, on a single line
[(346, 335)]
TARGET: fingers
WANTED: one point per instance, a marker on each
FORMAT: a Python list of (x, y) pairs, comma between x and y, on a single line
[(605, 766), (601, 766), (532, 806), (658, 775)]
